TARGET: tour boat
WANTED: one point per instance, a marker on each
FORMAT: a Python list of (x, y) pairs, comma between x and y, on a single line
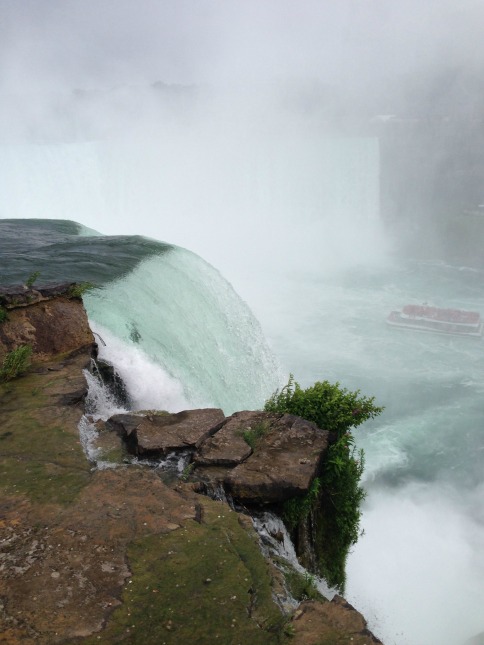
[(434, 319)]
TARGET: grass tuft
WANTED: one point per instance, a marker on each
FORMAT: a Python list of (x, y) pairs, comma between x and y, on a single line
[(15, 362)]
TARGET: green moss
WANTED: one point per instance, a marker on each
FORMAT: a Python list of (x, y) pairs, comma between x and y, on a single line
[(41, 463), (205, 583), (15, 362), (113, 455), (39, 457), (300, 586), (296, 509), (333, 637), (253, 435)]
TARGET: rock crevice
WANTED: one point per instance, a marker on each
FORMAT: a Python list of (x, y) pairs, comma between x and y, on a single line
[(256, 457)]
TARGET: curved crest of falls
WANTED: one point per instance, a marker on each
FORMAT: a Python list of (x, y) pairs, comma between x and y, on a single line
[(177, 331)]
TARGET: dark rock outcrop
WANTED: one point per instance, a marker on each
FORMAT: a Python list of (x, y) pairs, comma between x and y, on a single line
[(49, 320), (113, 381), (154, 435), (283, 465), (257, 457), (227, 447), (317, 623)]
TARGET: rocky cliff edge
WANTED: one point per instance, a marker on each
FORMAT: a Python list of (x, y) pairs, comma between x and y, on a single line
[(119, 554)]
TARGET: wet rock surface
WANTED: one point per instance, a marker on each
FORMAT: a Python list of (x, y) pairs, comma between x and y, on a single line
[(331, 623), (257, 457), (154, 435), (64, 528)]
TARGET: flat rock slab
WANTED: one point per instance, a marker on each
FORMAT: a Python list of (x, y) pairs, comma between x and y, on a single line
[(65, 570), (283, 464), (228, 447), (158, 434)]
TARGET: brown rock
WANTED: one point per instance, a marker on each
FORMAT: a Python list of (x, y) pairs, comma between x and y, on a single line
[(284, 463), (63, 576), (331, 623), (66, 528), (125, 426), (52, 326), (228, 447), (68, 531), (153, 435)]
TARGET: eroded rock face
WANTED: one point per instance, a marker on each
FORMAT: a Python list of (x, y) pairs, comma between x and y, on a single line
[(256, 457), (48, 320), (284, 463), (159, 434)]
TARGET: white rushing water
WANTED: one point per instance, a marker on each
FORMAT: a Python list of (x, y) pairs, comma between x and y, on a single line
[(293, 223), (275, 541), (179, 314), (100, 405)]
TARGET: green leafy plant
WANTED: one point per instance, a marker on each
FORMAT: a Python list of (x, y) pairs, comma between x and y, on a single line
[(187, 471), (302, 586), (252, 435), (330, 406), (3, 314), (31, 279), (15, 362), (79, 289), (289, 629), (334, 499), (296, 509), (339, 527)]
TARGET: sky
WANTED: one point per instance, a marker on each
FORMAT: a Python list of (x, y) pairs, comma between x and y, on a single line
[(47, 44)]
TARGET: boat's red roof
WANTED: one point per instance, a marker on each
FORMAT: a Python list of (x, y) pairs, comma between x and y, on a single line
[(442, 315)]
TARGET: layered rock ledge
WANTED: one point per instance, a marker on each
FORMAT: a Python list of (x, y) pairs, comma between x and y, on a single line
[(50, 320), (283, 460)]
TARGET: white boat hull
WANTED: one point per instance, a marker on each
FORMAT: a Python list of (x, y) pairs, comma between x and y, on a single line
[(434, 327)]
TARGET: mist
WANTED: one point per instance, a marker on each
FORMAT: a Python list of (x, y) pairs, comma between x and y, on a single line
[(437, 578), (308, 151), (203, 88)]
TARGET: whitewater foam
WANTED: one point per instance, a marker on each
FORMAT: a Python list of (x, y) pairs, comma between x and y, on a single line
[(183, 324), (420, 543), (148, 385), (268, 525), (100, 404)]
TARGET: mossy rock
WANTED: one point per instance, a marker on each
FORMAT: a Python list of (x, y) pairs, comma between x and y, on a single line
[(40, 454), (205, 583)]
